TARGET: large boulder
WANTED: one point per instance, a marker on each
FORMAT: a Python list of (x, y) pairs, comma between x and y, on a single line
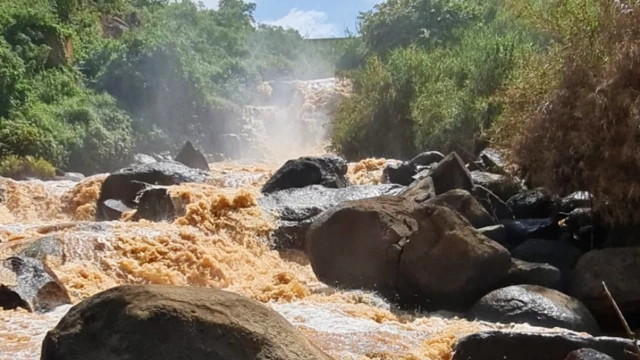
[(168, 323), (426, 254), (532, 204), (499, 345), (30, 284), (328, 171), (619, 269), (501, 185), (536, 306), (192, 157), (467, 206), (297, 208), (450, 174), (123, 186)]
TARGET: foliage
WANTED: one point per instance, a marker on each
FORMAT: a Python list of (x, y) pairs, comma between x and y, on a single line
[(584, 135), (83, 84), (20, 168), (430, 95)]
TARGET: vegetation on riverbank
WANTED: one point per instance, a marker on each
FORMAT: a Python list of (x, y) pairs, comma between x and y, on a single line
[(84, 84), (554, 82)]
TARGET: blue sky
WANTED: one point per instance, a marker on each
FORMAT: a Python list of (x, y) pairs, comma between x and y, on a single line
[(312, 18)]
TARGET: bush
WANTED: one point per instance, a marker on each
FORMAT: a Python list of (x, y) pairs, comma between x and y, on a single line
[(21, 168), (585, 135)]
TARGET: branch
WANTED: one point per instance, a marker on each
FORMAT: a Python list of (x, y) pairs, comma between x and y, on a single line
[(630, 334)]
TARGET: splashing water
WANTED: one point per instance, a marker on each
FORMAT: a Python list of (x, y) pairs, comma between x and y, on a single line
[(219, 241)]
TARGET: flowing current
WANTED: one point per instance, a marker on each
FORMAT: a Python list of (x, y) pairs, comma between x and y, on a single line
[(220, 241)]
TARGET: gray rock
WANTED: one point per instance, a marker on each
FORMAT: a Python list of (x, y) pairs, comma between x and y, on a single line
[(492, 203), (401, 173), (560, 254), (520, 230), (536, 306), (579, 199), (192, 157), (451, 174), (501, 185), (532, 204), (467, 206), (427, 158)]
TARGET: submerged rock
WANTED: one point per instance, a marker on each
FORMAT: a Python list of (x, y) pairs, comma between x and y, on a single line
[(536, 306), (123, 186), (427, 254), (328, 171), (192, 157), (167, 323), (498, 345), (30, 284)]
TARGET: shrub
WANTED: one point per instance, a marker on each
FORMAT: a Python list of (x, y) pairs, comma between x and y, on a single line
[(585, 135), (21, 168)]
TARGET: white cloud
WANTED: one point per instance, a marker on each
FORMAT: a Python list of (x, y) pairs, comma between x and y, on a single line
[(310, 23)]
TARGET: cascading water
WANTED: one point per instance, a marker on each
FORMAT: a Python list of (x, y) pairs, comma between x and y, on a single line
[(219, 241)]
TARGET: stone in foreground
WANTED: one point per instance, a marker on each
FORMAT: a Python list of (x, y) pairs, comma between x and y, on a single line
[(496, 345), (173, 323)]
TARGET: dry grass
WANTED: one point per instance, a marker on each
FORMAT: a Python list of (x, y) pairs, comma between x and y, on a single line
[(585, 135)]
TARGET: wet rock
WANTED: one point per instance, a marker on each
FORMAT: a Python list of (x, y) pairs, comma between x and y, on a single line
[(427, 158), (504, 187), (297, 208), (451, 174), (143, 159), (577, 219), (426, 254), (328, 171), (420, 190), (230, 145), (587, 354), (192, 157), (496, 233), (400, 173), (579, 199), (467, 206), (123, 186), (163, 156), (536, 306), (142, 322), (618, 268), (155, 204), (497, 345), (30, 284), (560, 254), (492, 203), (532, 204), (43, 247), (518, 231), (527, 273)]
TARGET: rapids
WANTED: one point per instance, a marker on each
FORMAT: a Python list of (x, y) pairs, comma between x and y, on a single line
[(221, 241)]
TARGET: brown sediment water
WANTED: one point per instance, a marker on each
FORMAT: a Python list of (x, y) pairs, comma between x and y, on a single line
[(219, 241)]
